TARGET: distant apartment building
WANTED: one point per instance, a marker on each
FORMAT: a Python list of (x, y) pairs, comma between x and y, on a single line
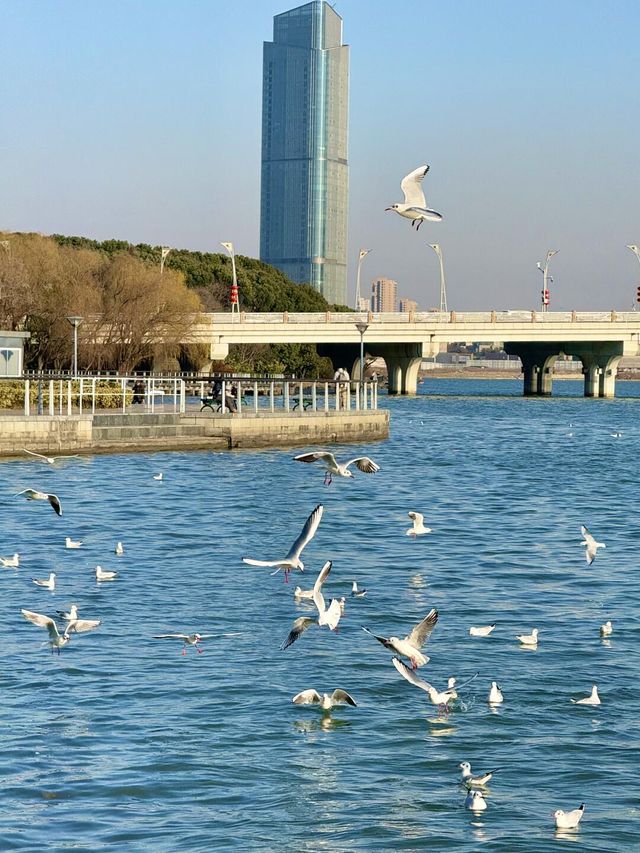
[(406, 305), (384, 295), (364, 304), (304, 189)]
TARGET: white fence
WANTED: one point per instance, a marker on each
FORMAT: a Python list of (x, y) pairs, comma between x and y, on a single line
[(444, 317)]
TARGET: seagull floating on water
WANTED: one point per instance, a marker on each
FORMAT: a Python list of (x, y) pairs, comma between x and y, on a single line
[(356, 592), (119, 549), (325, 700), (33, 495), (187, 640), (471, 780), (329, 616), (49, 583), (292, 560), (70, 543), (50, 460), (439, 698), (69, 616), (413, 642), (569, 820), (495, 695), (102, 575), (528, 639), (591, 699), (302, 594), (10, 562), (591, 545), (481, 631), (418, 528), (415, 206), (605, 630), (475, 801), (56, 639), (340, 469), (158, 476)]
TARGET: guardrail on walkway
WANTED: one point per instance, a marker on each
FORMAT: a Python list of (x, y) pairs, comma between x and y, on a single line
[(233, 395), (342, 317)]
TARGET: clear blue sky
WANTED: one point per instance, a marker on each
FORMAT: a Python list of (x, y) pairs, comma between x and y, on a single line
[(140, 119)]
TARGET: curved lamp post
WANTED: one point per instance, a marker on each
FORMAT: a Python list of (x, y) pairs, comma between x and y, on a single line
[(544, 269), (443, 287), (164, 251), (235, 304), (363, 254), (75, 322), (362, 328)]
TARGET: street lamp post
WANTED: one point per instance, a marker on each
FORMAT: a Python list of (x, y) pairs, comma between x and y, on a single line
[(443, 287), (75, 322), (164, 251), (636, 251), (361, 257), (544, 269), (235, 303), (362, 328)]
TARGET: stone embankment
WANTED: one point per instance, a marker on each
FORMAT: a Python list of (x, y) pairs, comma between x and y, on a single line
[(118, 433)]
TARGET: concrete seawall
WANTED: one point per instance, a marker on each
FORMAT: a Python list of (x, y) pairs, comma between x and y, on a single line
[(115, 433)]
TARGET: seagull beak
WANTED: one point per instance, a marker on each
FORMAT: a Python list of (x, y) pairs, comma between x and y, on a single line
[(388, 208)]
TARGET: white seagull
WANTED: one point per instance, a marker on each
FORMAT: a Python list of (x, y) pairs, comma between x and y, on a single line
[(10, 562), (327, 701), (340, 469), (495, 695), (329, 616), (49, 583), (605, 630), (70, 543), (50, 460), (33, 495), (158, 476), (302, 594), (69, 616), (187, 640), (591, 545), (418, 528), (528, 639), (471, 780), (569, 820), (119, 549), (356, 592), (292, 560), (413, 642), (415, 206), (481, 631), (56, 639), (102, 575), (439, 698), (475, 801), (75, 624), (591, 699)]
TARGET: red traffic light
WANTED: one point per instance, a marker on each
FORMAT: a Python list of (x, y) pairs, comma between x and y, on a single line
[(546, 299)]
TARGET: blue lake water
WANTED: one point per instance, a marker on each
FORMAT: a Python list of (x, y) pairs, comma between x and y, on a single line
[(121, 743)]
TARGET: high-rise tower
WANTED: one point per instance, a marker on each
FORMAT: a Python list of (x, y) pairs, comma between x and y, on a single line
[(304, 197)]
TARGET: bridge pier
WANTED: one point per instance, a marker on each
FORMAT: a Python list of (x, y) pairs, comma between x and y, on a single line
[(537, 366)]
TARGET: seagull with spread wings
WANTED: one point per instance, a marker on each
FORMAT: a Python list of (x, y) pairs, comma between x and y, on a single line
[(327, 701), (437, 697), (34, 495), (50, 460), (329, 616), (413, 642), (56, 639), (292, 559), (340, 469), (187, 640), (415, 207), (590, 544)]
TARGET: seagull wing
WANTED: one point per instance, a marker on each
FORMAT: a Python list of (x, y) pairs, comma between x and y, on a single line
[(81, 626), (31, 453), (318, 598), (341, 697), (332, 615), (251, 562), (458, 685), (54, 500), (68, 456), (364, 464), (421, 633), (308, 532), (170, 637), (411, 186), (589, 541), (327, 457), (299, 627), (42, 622), (385, 642), (307, 697), (410, 675)]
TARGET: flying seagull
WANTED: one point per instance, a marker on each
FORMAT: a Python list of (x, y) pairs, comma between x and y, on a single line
[(591, 545), (292, 560), (415, 207), (439, 698), (33, 495), (413, 642), (56, 639), (187, 640), (329, 616), (325, 700), (471, 780), (50, 460), (10, 562), (340, 469), (418, 528), (569, 820)]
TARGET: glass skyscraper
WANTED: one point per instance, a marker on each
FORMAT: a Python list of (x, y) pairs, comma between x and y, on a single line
[(304, 191)]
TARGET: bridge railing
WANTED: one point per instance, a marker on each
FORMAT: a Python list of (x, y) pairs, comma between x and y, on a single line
[(444, 317)]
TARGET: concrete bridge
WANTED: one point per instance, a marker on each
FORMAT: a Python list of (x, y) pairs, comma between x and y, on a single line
[(598, 339)]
